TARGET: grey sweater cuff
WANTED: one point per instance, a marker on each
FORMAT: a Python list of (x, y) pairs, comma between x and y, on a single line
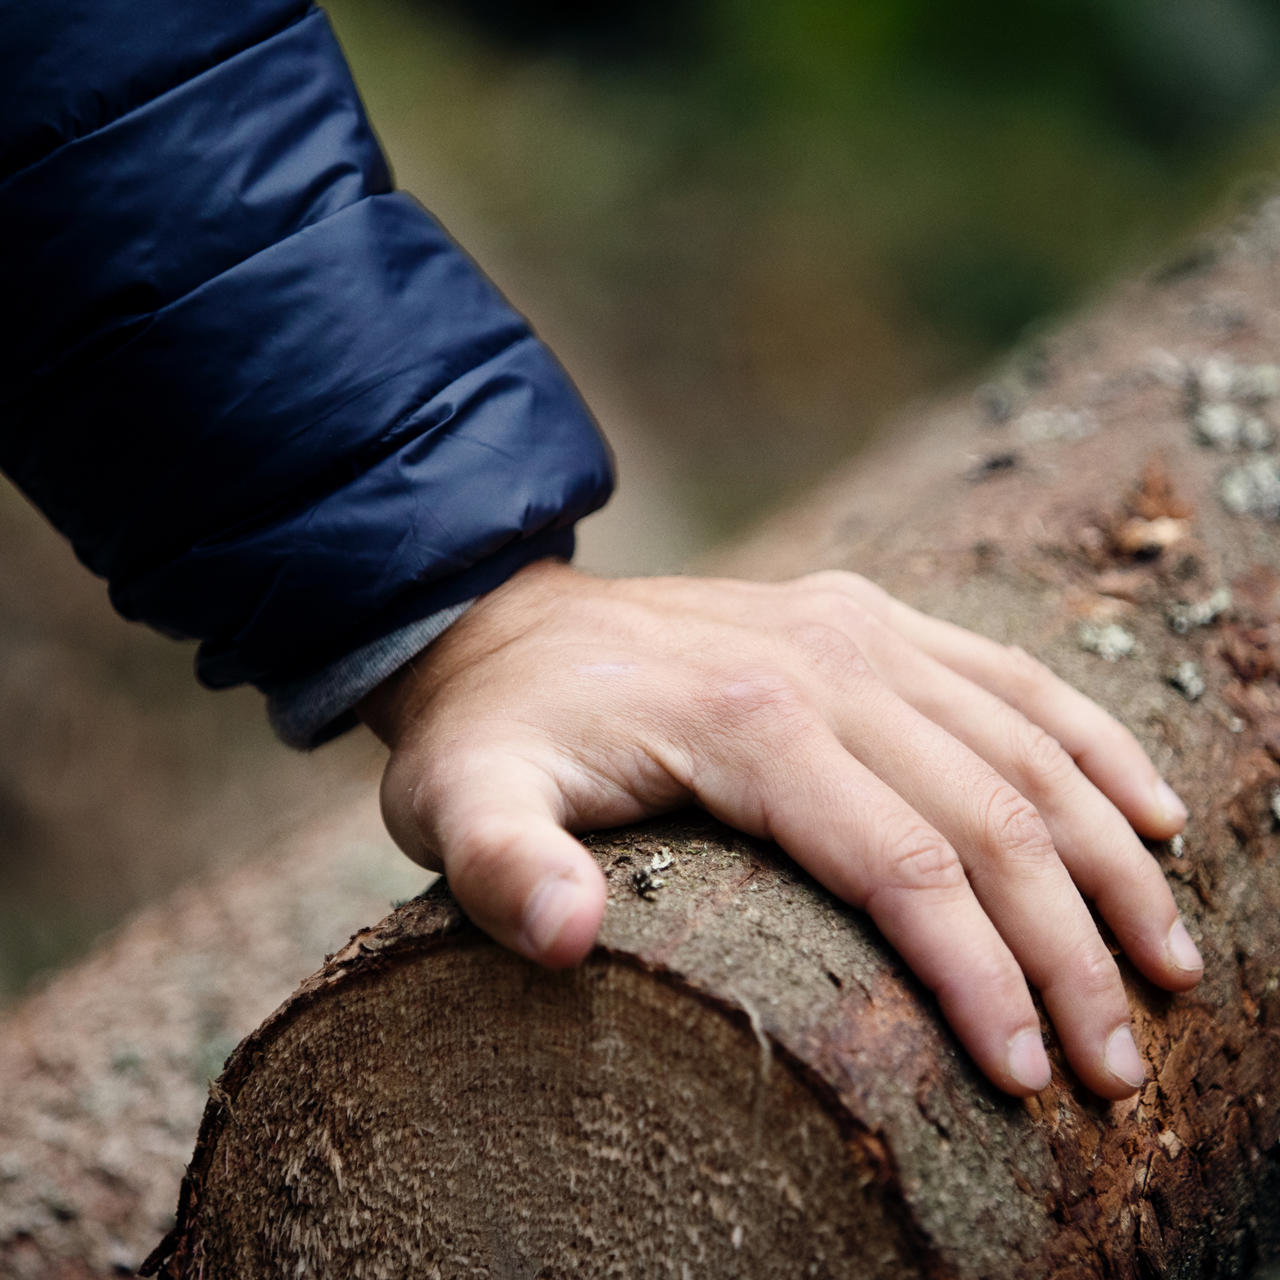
[(305, 713)]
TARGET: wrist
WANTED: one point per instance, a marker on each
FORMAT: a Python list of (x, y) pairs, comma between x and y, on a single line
[(508, 609)]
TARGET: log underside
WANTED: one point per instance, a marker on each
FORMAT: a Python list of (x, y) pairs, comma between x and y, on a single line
[(743, 1080)]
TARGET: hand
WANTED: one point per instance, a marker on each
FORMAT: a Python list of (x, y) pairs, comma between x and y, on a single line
[(951, 787)]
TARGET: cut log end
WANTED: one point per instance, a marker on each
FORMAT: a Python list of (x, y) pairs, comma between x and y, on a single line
[(502, 1121)]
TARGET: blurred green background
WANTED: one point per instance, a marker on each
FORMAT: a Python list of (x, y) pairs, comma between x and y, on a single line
[(751, 231), (764, 225)]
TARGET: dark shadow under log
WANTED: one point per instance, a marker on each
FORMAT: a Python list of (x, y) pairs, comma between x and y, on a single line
[(743, 1081)]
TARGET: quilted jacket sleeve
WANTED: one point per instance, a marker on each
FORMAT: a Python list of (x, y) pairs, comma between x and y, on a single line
[(262, 392)]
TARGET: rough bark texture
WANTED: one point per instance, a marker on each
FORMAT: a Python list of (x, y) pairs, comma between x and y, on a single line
[(743, 1080)]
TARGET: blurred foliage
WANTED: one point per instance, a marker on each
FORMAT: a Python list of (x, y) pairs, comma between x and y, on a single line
[(772, 223)]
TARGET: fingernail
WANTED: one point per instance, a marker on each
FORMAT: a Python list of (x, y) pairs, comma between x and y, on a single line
[(1028, 1062), (1182, 951), (1122, 1058), (1169, 804), (548, 910)]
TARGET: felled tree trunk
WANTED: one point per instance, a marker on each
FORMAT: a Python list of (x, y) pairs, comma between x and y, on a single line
[(742, 1080)]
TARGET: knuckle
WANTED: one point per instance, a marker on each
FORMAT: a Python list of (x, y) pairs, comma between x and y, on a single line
[(826, 580), (922, 859), (835, 607), (482, 852), (756, 716), (447, 763), (752, 694), (1112, 738), (437, 777), (1039, 757), (1016, 834), (422, 806), (1028, 675), (996, 975), (829, 624), (404, 813), (1094, 973), (852, 586), (825, 644)]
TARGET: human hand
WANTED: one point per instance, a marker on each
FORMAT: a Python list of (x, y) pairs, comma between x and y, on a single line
[(951, 787)]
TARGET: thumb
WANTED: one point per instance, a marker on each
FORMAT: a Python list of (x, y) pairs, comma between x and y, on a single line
[(512, 867)]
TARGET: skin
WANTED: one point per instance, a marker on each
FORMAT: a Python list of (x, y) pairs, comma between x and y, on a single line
[(951, 787)]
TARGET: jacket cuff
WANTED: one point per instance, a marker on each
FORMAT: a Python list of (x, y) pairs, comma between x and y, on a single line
[(307, 713)]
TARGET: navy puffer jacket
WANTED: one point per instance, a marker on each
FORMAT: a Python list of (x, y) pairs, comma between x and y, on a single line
[(261, 391)]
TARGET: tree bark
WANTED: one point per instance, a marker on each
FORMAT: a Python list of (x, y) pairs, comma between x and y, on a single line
[(742, 1080)]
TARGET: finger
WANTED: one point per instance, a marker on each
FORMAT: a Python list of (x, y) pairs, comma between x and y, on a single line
[(1105, 859), (1013, 868), (854, 835), (494, 827), (1109, 755)]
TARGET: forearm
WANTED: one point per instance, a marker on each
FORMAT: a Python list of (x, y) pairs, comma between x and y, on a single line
[(264, 395)]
